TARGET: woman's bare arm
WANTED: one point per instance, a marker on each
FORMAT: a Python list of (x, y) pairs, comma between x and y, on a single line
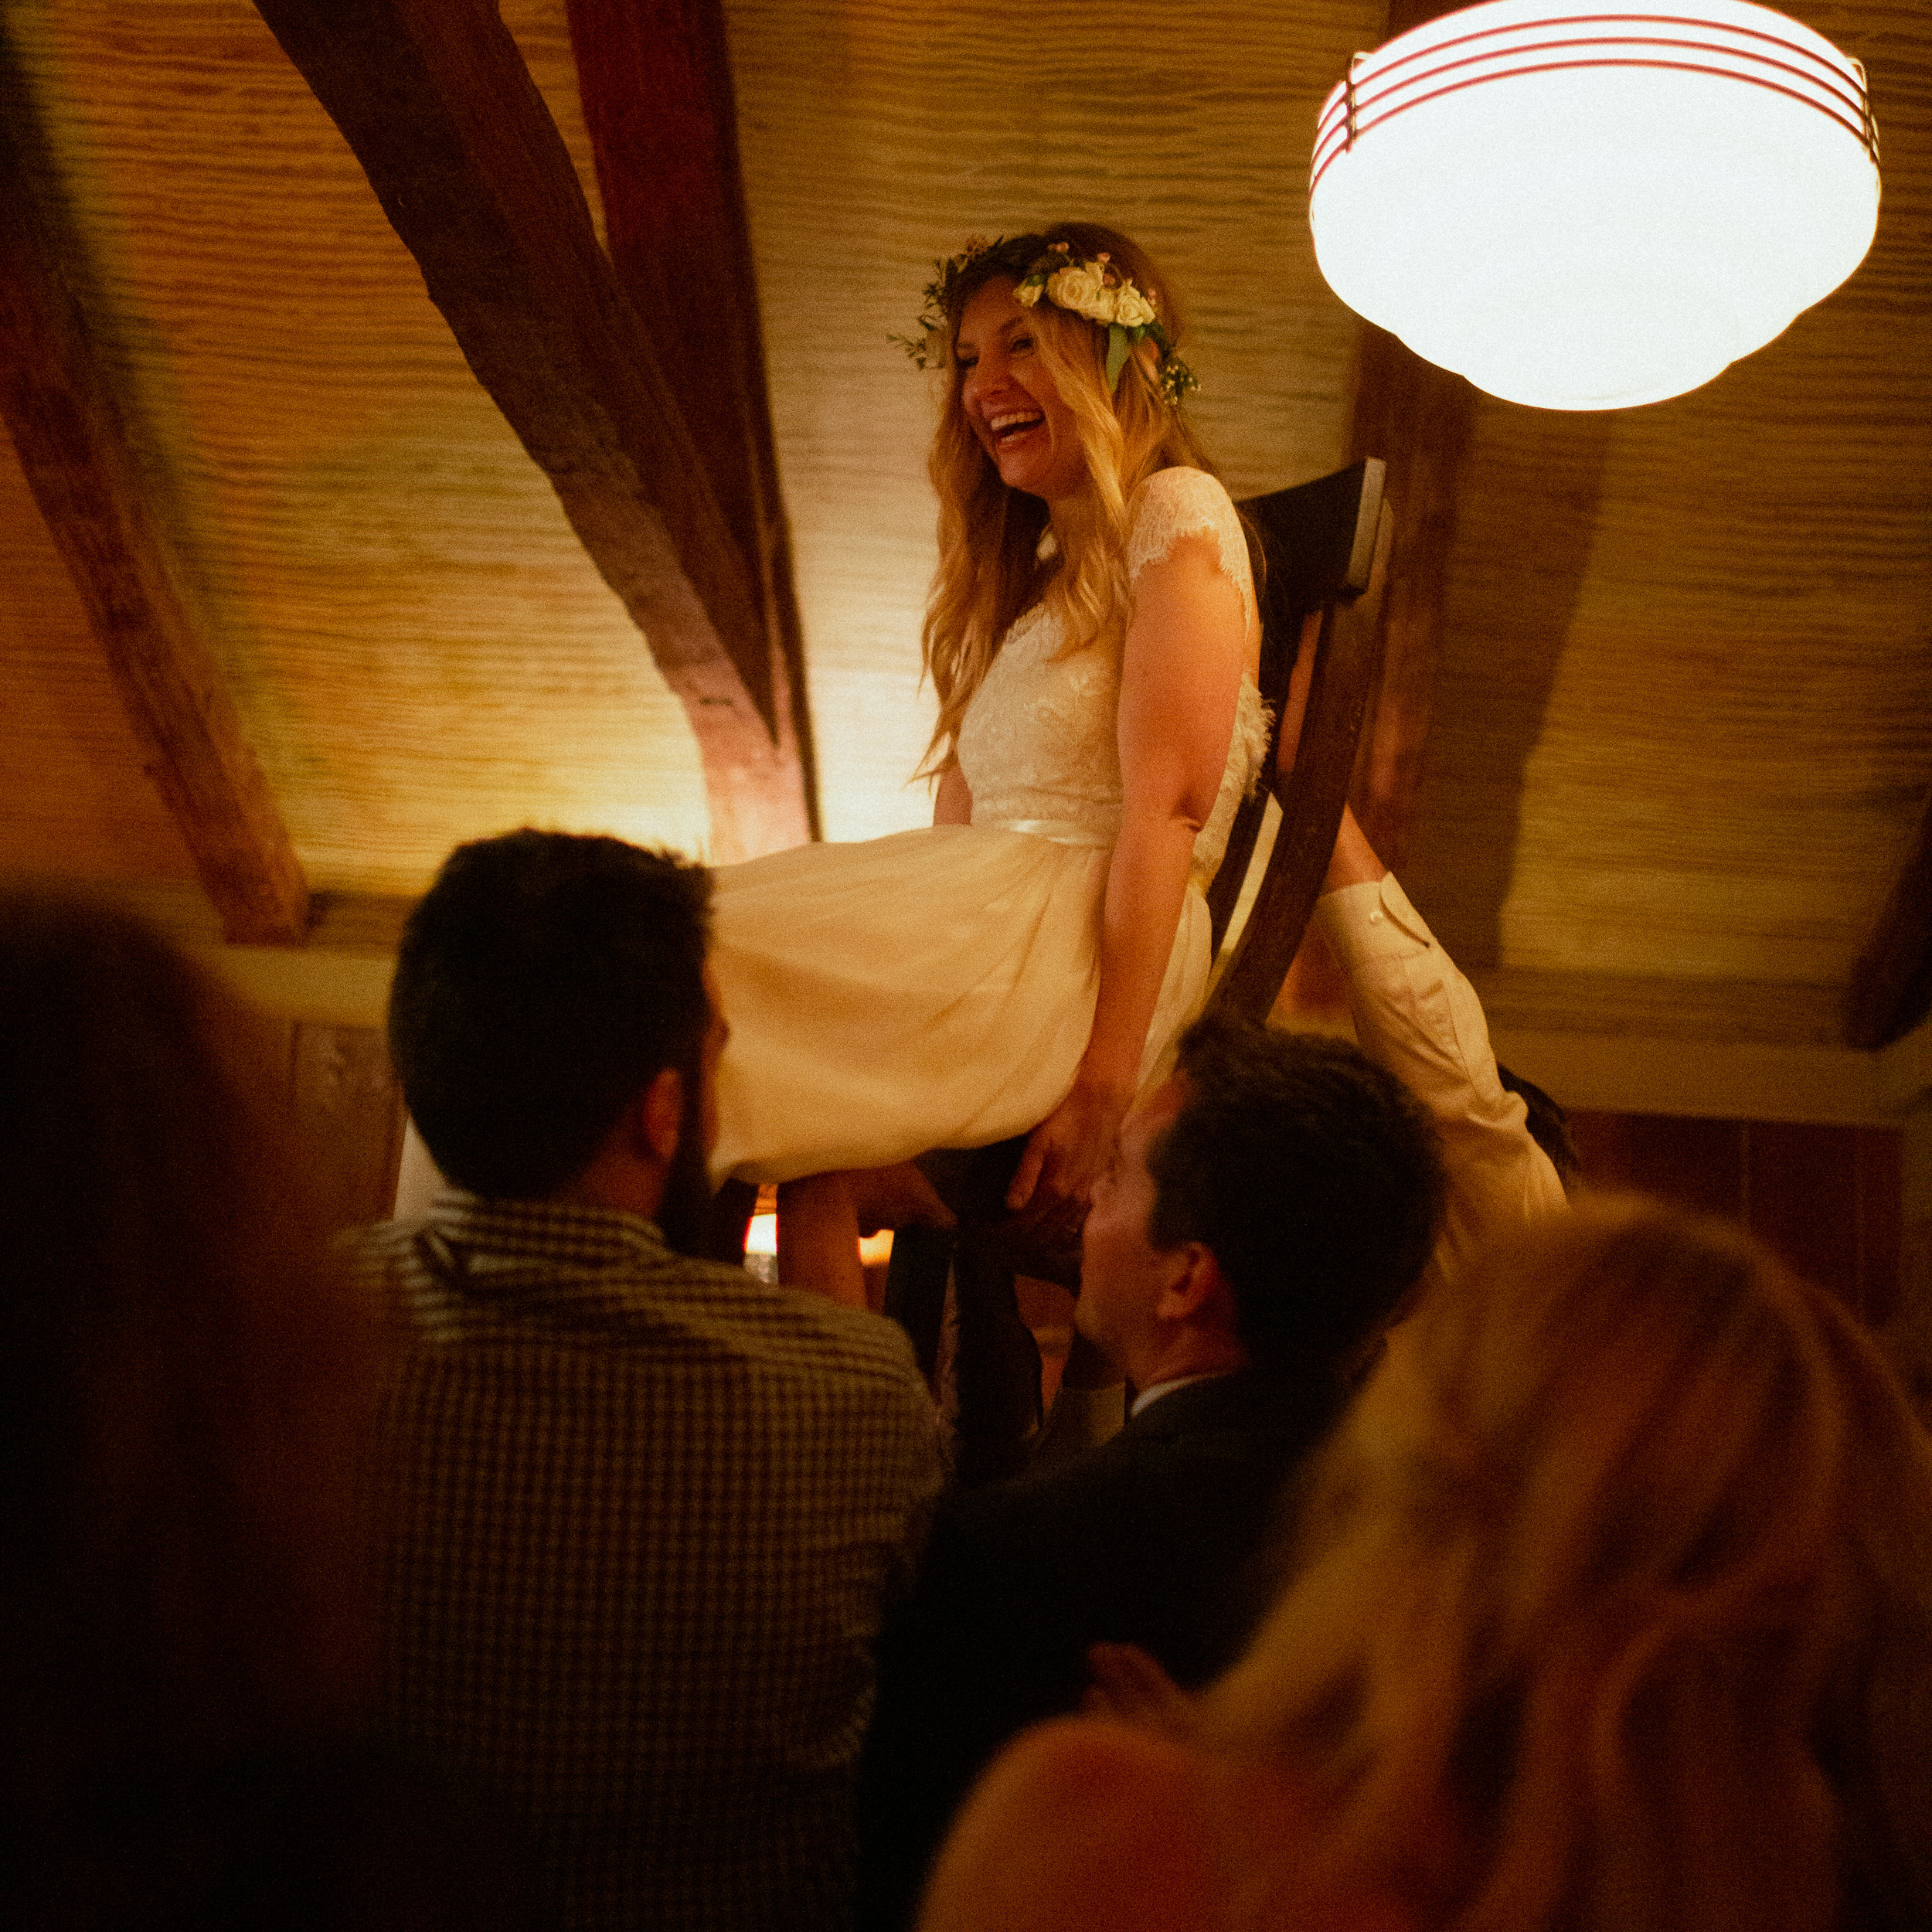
[(1180, 676), (952, 803)]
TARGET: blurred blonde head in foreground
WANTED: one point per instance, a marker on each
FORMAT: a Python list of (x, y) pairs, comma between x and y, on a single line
[(1619, 1571), (1612, 1612)]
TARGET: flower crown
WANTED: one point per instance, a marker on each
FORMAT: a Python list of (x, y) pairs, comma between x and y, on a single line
[(1095, 290)]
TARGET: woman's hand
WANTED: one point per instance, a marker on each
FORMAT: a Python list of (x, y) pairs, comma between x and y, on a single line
[(1066, 1155)]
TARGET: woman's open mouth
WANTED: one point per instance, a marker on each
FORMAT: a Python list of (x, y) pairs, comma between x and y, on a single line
[(1010, 424)]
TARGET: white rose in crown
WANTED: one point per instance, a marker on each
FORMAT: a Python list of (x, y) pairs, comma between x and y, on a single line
[(1132, 309), (1079, 288), (1027, 293)]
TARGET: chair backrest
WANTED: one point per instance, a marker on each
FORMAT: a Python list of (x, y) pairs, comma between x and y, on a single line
[(1326, 546)]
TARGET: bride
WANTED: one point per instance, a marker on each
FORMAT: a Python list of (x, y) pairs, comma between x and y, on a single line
[(1025, 965), (1028, 962)]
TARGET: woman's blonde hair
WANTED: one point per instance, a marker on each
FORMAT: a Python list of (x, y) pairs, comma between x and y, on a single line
[(1622, 1565), (990, 568)]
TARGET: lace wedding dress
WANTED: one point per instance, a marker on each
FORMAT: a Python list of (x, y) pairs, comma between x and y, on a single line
[(936, 988)]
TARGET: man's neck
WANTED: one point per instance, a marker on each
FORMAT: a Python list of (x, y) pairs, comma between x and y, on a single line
[(611, 1181), (1155, 1391), (1185, 1355)]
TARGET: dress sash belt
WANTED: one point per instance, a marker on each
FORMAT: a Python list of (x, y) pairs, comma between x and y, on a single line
[(1062, 831)]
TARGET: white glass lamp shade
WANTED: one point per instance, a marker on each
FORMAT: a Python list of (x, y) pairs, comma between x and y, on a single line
[(1589, 210)]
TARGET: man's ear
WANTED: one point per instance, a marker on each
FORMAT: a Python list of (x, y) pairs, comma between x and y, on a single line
[(660, 1113), (1198, 1293)]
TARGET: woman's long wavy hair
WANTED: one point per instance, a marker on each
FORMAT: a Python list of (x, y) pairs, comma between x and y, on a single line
[(1621, 1566), (990, 568)]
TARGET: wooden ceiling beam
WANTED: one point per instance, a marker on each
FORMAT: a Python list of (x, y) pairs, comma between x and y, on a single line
[(434, 99), (1417, 418), (108, 520), (654, 79), (1890, 989)]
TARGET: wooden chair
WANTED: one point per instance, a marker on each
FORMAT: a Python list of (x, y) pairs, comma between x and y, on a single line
[(1325, 546)]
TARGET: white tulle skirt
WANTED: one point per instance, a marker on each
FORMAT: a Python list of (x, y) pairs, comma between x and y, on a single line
[(934, 988)]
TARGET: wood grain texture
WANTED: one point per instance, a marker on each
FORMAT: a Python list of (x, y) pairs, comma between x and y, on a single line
[(1310, 780), (78, 800), (68, 429), (1417, 418), (1890, 991), (1825, 1198), (1683, 711), (421, 648), (654, 78), (436, 101), (350, 1111)]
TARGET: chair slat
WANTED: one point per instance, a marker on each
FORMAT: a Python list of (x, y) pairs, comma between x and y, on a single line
[(1318, 545), (1311, 795)]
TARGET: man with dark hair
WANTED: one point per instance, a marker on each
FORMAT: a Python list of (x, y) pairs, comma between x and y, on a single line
[(1264, 1146), (640, 1510), (1270, 1137), (541, 984), (1269, 1211)]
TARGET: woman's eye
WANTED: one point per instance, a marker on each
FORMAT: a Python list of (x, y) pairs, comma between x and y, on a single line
[(1020, 342)]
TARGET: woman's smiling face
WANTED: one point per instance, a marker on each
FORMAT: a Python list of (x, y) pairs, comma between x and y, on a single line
[(1012, 402)]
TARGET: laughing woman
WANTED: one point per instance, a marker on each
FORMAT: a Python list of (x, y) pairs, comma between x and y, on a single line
[(1026, 964)]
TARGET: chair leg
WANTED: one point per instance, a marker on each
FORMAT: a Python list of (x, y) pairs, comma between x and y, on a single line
[(996, 1371), (915, 1289), (996, 1364), (732, 1208)]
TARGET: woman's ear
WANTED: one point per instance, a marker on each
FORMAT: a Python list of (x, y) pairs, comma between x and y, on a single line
[(660, 1114)]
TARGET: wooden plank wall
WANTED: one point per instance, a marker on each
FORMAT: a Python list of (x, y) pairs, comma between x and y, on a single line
[(350, 1110), (1827, 1198)]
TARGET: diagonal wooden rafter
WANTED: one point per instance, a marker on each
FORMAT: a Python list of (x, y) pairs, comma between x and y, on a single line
[(108, 522), (434, 99), (654, 79), (1417, 418), (1890, 990)]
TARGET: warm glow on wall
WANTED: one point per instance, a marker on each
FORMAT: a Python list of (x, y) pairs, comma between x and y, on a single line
[(1591, 209)]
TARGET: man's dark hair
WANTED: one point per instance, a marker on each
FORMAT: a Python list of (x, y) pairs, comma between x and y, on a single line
[(543, 981), (1311, 1176)]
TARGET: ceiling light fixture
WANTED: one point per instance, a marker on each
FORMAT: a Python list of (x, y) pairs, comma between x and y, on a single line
[(1593, 209)]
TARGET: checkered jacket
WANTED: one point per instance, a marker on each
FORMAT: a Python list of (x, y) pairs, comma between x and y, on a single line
[(641, 1512)]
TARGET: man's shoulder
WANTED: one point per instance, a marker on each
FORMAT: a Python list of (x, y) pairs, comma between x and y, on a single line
[(1034, 1520), (513, 1272), (1198, 1451), (373, 1244)]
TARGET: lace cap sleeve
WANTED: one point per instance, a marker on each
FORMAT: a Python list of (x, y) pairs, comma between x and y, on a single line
[(1172, 504)]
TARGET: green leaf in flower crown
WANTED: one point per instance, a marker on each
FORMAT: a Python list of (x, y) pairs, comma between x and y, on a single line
[(1119, 345)]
